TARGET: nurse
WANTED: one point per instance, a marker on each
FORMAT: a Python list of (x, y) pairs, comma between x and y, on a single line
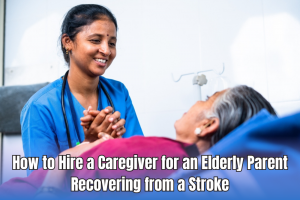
[(88, 43)]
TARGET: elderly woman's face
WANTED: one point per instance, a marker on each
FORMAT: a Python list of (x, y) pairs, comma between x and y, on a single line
[(185, 127)]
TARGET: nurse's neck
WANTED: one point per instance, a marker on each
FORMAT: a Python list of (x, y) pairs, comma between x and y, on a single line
[(83, 87)]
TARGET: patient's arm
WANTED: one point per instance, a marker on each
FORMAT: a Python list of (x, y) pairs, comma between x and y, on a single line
[(56, 178), (96, 124)]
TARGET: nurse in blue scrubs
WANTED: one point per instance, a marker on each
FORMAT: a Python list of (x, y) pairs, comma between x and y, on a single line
[(88, 42)]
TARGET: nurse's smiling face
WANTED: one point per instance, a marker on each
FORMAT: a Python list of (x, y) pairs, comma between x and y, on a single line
[(94, 47)]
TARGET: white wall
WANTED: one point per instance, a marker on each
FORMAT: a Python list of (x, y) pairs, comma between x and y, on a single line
[(257, 40)]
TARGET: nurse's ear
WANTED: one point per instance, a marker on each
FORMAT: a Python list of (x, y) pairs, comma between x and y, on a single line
[(207, 128), (67, 42)]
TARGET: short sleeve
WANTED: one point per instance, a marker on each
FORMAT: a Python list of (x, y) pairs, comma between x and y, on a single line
[(132, 124), (38, 133)]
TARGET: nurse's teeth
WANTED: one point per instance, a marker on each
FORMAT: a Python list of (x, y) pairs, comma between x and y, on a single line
[(100, 60)]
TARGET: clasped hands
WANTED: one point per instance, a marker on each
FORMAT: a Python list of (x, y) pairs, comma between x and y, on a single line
[(98, 124)]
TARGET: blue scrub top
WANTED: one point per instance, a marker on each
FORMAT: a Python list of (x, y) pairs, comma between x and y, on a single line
[(42, 120)]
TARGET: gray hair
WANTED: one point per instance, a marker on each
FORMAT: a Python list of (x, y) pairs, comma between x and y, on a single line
[(234, 107)]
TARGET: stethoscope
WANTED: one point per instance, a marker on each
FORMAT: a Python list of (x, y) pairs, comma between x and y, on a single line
[(71, 104)]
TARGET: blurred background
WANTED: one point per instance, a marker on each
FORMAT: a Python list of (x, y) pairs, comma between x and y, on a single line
[(257, 42)]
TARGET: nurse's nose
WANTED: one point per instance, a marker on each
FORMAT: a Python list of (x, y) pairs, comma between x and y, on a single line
[(104, 49)]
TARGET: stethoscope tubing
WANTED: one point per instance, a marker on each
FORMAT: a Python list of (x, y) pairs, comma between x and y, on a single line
[(63, 108), (63, 105)]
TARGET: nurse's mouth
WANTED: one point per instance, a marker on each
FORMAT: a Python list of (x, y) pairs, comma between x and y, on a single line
[(100, 62)]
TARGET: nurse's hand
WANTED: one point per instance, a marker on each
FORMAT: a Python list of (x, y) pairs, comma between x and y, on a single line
[(116, 128), (89, 117), (95, 122)]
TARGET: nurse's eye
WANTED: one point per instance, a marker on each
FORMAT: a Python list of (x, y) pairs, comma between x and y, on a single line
[(112, 44), (95, 41)]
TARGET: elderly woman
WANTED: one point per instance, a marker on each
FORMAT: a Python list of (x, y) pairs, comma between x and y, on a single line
[(198, 129)]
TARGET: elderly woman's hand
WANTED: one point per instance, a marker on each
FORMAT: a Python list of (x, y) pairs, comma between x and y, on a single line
[(95, 122)]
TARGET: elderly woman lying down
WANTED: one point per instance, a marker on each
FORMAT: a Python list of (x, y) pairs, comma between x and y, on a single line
[(198, 129)]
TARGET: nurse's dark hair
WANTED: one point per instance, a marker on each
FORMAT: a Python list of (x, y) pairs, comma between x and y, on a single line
[(82, 15), (236, 106)]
